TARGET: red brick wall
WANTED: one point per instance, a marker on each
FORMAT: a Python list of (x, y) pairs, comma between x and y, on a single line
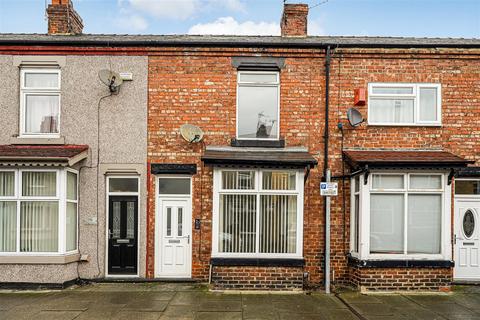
[(199, 87), (294, 20), (401, 279), (63, 19), (257, 278)]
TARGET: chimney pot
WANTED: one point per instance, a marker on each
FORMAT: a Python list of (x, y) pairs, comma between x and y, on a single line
[(63, 19), (294, 20)]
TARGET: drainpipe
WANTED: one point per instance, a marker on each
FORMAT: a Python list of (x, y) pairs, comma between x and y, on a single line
[(327, 173)]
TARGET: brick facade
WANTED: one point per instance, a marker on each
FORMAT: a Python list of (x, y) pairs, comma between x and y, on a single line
[(257, 278), (63, 19), (401, 279), (294, 20)]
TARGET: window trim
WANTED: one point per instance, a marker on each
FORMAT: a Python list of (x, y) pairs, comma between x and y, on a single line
[(60, 197), (25, 91), (299, 192), (415, 96), (364, 218), (258, 84), (76, 203)]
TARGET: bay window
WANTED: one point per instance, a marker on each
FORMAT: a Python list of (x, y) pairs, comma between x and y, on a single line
[(40, 102), (258, 213), (404, 104), (38, 211), (403, 215)]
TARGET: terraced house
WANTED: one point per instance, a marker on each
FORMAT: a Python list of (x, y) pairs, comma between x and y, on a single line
[(101, 185)]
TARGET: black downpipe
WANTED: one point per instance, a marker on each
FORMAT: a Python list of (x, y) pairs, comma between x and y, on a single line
[(326, 137)]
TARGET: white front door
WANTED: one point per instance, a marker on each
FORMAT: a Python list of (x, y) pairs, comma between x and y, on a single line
[(467, 240), (174, 245)]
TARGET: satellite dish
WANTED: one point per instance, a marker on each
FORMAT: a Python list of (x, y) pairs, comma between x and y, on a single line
[(191, 133), (111, 79), (354, 117)]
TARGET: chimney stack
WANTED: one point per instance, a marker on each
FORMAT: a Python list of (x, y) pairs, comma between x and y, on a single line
[(63, 19), (294, 20)]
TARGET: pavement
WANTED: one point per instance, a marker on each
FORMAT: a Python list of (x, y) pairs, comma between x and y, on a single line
[(193, 301)]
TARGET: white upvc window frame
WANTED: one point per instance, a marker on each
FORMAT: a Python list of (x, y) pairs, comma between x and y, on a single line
[(258, 191), (71, 201), (364, 216), (258, 84), (415, 96), (60, 197), (43, 91)]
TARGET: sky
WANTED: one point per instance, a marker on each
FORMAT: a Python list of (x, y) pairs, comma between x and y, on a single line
[(407, 18)]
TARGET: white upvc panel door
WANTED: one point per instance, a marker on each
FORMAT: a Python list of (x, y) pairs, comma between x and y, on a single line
[(467, 240), (174, 259)]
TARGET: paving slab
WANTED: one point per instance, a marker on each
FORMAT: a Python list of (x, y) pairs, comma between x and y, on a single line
[(136, 315), (218, 316), (183, 312), (57, 315)]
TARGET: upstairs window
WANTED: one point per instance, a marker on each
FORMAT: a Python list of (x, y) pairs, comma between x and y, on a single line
[(404, 104), (40, 102), (258, 96)]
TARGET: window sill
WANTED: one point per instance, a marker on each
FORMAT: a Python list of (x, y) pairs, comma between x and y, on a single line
[(399, 263), (431, 125), (37, 140), (258, 262), (258, 143), (47, 259)]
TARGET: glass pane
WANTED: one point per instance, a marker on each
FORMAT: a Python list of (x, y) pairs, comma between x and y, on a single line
[(41, 80), (424, 223), (237, 223), (71, 226), (169, 222), (180, 222), (257, 112), (8, 226), (356, 226), (258, 77), (117, 218), (7, 184), (39, 184), (383, 182), (71, 186), (391, 111), (174, 186), (131, 220), (428, 104), (39, 226), (467, 187), (468, 224), (239, 180), (123, 185), (425, 182), (386, 223), (278, 224), (41, 113), (392, 90), (278, 180)]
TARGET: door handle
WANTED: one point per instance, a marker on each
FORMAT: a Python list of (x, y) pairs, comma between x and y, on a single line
[(110, 234), (188, 239)]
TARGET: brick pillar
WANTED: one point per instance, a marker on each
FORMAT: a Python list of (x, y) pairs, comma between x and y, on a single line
[(63, 19), (294, 20)]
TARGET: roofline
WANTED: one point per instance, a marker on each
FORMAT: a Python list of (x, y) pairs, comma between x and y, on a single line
[(224, 43)]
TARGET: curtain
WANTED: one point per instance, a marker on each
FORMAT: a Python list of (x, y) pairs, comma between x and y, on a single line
[(278, 223), (424, 223), (71, 226), (71, 186), (41, 80), (8, 226), (36, 184), (387, 181), (428, 104), (39, 226), (425, 182), (386, 223), (391, 110), (7, 183), (237, 223), (41, 113), (278, 180), (239, 180)]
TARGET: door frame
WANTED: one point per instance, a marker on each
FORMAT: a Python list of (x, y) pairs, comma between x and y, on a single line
[(107, 222), (457, 198), (158, 220)]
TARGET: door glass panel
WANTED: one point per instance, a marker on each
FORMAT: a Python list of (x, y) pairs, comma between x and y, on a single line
[(130, 220), (468, 223), (169, 221), (116, 221), (174, 186), (180, 222), (467, 187), (123, 185)]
